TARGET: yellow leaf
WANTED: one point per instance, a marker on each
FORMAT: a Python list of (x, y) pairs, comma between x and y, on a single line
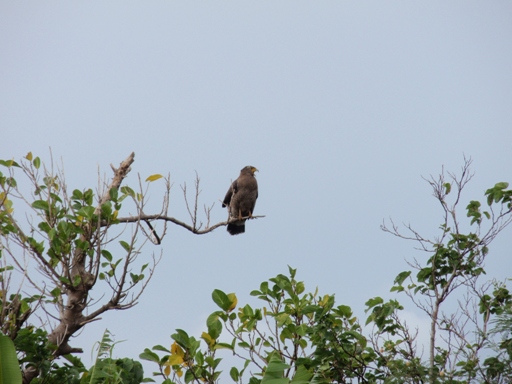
[(115, 214), (29, 156), (6, 203), (179, 372), (209, 340), (154, 177), (324, 300), (167, 370), (177, 350), (234, 301), (175, 360)]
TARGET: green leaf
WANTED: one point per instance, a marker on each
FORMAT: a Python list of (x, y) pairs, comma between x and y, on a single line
[(292, 272), (44, 226), (424, 274), (199, 358), (275, 372), (10, 372), (248, 311), (125, 245), (113, 192), (24, 306), (77, 195), (221, 299), (150, 356), (128, 191), (214, 325), (36, 246), (76, 280), (302, 376), (11, 182), (40, 204), (161, 348), (55, 292), (401, 277), (244, 344), (373, 302), (497, 193), (181, 337), (490, 196), (345, 311), (135, 278), (299, 288), (235, 375), (87, 212), (106, 254), (282, 318), (224, 346), (106, 209), (88, 196), (37, 162)]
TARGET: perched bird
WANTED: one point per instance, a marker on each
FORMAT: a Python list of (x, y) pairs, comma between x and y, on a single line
[(241, 199)]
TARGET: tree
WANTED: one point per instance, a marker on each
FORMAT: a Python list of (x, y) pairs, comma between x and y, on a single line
[(451, 278), (75, 239)]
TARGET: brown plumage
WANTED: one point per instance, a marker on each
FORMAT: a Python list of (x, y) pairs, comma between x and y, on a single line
[(241, 199)]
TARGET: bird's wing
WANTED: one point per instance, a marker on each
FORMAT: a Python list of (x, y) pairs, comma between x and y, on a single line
[(232, 190)]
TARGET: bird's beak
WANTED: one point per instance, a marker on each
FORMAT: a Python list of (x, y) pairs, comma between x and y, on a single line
[(254, 169)]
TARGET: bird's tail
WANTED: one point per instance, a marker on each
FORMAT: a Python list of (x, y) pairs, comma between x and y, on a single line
[(236, 229)]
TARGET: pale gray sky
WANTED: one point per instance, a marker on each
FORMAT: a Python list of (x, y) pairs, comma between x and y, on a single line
[(347, 104)]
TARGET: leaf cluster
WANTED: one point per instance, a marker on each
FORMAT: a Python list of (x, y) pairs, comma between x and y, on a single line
[(296, 337)]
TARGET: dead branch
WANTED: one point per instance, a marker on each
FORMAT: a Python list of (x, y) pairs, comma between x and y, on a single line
[(119, 174), (191, 228)]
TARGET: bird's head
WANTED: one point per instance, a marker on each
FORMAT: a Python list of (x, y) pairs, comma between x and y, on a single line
[(250, 169)]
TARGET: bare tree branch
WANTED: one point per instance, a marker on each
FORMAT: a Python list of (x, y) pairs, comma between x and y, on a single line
[(134, 219)]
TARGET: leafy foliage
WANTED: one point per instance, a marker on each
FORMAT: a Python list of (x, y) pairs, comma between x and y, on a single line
[(65, 238), (296, 337)]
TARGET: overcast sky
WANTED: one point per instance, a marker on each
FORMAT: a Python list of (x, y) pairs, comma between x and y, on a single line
[(342, 106)]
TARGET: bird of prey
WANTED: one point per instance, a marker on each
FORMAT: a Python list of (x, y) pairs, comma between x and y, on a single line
[(241, 199)]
